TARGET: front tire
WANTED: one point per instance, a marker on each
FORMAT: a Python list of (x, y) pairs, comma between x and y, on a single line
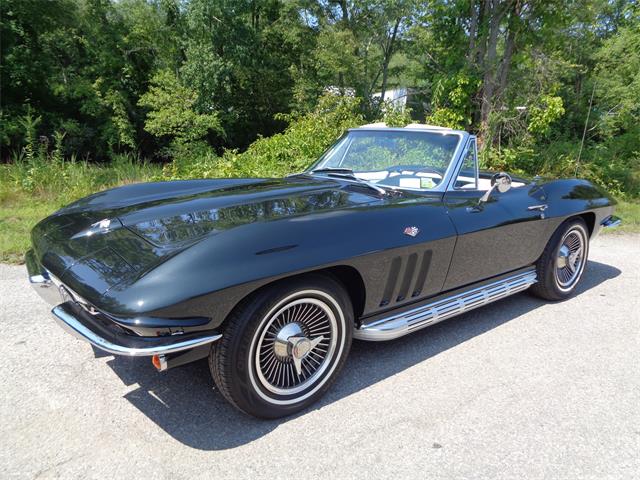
[(284, 346), (561, 265)]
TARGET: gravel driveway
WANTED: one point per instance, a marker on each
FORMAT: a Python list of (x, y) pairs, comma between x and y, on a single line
[(517, 389)]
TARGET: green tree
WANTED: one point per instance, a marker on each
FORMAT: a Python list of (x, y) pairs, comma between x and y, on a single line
[(356, 43), (617, 80), (172, 113)]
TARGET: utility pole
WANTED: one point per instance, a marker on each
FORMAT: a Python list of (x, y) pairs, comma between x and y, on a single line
[(584, 132)]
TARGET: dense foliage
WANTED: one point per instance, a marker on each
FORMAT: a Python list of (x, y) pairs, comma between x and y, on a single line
[(262, 87)]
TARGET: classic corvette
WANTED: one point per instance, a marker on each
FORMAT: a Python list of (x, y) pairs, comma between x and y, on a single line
[(390, 231)]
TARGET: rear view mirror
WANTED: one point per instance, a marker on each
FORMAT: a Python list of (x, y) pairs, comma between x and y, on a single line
[(501, 182)]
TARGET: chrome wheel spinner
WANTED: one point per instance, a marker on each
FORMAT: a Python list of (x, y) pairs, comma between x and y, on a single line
[(296, 345)]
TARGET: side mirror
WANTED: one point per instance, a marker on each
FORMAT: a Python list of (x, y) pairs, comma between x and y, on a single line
[(501, 182)]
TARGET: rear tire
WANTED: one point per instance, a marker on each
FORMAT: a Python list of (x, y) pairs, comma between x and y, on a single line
[(562, 264), (283, 347)]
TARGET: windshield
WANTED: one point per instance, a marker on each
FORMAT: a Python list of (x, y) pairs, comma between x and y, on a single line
[(401, 159)]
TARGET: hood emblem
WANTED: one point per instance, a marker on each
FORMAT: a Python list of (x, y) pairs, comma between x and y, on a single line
[(102, 224), (411, 231)]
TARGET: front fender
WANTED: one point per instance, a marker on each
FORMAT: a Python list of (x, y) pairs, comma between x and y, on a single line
[(211, 277)]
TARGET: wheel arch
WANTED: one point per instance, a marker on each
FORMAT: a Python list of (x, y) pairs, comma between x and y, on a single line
[(235, 359), (346, 275), (590, 219), (352, 281), (547, 286)]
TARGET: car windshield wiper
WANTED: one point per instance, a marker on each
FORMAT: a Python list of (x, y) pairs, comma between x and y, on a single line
[(346, 171), (348, 174)]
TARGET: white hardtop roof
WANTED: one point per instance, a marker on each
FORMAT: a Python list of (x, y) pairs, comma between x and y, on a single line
[(411, 126)]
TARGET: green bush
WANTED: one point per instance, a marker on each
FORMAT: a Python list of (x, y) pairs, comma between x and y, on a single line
[(293, 150), (613, 163)]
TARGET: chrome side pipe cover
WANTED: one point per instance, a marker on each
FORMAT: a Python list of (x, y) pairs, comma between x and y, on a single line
[(430, 313)]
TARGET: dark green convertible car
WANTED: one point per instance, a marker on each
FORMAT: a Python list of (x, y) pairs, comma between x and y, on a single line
[(390, 231)]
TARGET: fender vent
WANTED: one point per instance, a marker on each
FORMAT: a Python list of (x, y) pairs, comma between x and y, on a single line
[(422, 275), (392, 280), (412, 272), (409, 272)]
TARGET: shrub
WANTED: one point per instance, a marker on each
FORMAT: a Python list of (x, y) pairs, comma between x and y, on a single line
[(613, 163), (302, 142), (173, 114)]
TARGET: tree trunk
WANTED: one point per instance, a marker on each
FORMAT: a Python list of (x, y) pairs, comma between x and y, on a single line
[(509, 47), (489, 78), (505, 65), (345, 12), (484, 16), (473, 32), (388, 53)]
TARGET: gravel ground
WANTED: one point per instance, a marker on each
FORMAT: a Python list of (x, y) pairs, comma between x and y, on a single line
[(517, 389)]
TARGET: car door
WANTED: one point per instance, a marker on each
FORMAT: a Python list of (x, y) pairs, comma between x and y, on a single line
[(504, 233)]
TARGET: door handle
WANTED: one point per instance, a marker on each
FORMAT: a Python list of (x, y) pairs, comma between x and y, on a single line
[(542, 207), (474, 209)]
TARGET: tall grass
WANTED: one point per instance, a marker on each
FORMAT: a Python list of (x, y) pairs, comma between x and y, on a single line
[(53, 177), (36, 183)]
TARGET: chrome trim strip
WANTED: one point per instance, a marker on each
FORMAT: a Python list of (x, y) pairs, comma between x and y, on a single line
[(76, 328), (401, 324)]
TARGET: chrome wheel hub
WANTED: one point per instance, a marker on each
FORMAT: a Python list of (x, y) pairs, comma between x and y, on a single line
[(570, 259), (296, 346), (282, 345), (563, 257), (291, 344)]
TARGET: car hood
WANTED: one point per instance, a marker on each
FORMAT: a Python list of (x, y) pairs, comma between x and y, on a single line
[(118, 234), (175, 215)]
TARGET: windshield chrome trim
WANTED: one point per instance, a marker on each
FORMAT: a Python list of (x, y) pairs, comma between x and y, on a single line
[(455, 160), (427, 128), (450, 185)]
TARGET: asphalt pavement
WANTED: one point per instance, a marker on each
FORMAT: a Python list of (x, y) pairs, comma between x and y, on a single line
[(517, 389)]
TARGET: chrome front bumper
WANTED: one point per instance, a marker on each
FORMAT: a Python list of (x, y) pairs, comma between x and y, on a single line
[(82, 325), (41, 280), (611, 222), (99, 331)]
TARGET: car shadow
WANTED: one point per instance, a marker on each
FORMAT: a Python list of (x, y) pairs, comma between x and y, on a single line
[(185, 404)]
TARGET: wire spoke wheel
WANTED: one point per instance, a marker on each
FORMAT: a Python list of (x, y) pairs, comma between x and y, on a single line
[(284, 345), (570, 259), (295, 346)]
